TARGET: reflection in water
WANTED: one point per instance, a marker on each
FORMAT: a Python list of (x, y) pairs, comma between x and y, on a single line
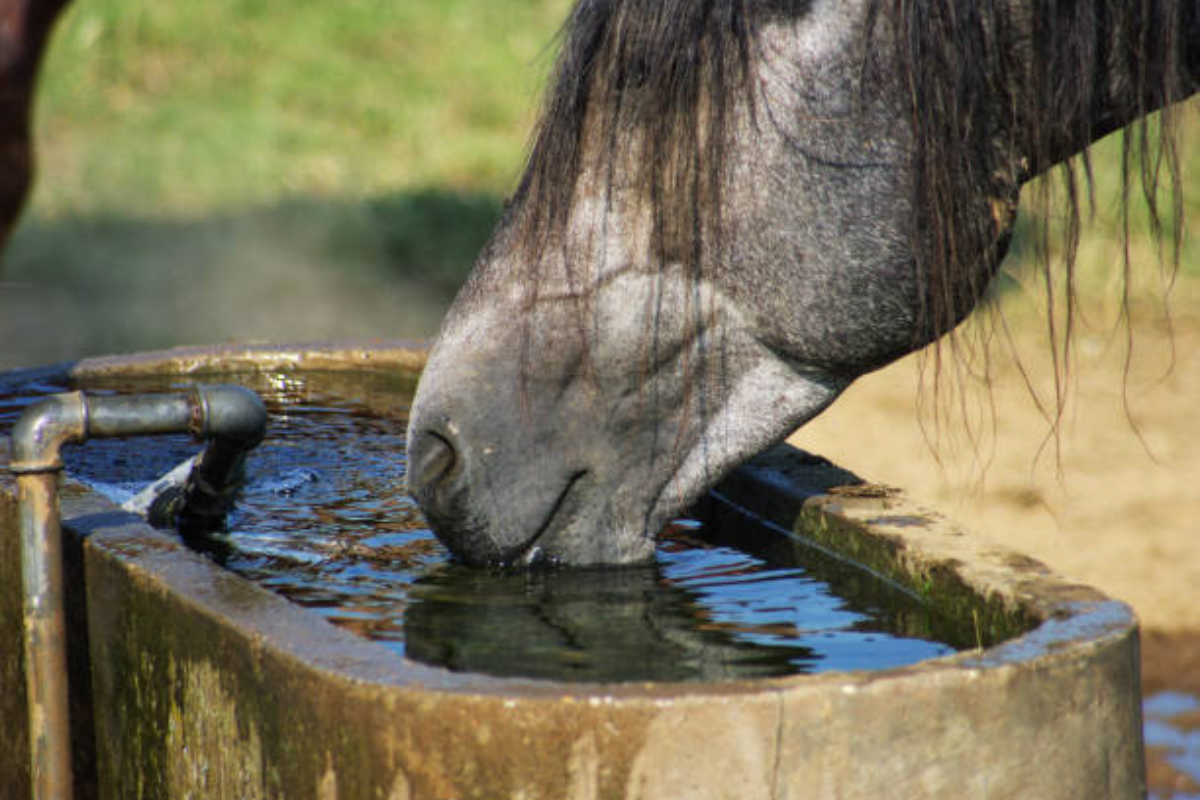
[(702, 612), (597, 625), (325, 521)]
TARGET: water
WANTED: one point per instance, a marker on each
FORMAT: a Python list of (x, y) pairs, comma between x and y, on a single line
[(1172, 732), (324, 521)]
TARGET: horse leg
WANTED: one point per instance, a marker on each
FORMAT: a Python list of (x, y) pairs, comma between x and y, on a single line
[(24, 29)]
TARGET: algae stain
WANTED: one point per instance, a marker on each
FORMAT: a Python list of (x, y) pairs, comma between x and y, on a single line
[(209, 754)]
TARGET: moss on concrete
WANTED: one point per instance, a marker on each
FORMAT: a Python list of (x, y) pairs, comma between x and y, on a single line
[(974, 619)]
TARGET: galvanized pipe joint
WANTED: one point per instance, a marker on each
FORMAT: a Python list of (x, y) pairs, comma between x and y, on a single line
[(231, 419)]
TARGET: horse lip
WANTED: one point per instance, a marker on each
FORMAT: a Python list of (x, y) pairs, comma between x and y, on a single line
[(531, 552)]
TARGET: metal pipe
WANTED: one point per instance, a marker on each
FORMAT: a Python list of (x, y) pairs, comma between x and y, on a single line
[(196, 495), (232, 419), (233, 422), (37, 438)]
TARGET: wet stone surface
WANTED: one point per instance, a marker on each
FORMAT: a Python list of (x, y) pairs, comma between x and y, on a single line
[(324, 520)]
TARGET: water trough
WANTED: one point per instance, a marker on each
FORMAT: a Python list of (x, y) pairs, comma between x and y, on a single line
[(188, 680)]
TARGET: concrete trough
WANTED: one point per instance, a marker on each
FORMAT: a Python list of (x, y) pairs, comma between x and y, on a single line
[(189, 681)]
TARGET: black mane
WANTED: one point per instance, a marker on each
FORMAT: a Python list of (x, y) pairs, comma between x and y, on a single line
[(671, 70), (667, 70), (956, 58)]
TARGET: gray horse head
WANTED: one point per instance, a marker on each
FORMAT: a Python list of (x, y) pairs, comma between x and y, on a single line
[(733, 209)]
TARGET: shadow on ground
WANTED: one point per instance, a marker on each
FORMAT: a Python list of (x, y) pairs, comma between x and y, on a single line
[(304, 269)]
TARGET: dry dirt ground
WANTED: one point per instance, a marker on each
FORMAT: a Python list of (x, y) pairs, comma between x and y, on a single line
[(1117, 506)]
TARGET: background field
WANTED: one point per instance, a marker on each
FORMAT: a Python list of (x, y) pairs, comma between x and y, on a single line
[(268, 169), (291, 169)]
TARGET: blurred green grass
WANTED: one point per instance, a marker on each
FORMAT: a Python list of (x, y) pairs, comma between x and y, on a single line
[(178, 107), (1163, 287), (232, 169), (251, 169)]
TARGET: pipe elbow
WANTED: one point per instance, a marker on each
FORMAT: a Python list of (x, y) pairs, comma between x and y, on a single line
[(43, 428), (232, 414)]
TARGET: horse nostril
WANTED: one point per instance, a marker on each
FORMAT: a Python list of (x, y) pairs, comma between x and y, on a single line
[(431, 460)]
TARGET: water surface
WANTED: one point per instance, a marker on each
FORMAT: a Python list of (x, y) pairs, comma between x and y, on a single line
[(324, 521)]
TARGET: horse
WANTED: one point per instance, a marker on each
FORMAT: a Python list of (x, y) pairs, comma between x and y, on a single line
[(731, 210), (24, 31)]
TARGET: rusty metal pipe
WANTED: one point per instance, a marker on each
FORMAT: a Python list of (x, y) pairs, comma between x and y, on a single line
[(37, 440), (232, 419), (45, 635)]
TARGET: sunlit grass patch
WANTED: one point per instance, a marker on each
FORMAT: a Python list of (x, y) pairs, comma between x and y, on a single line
[(189, 107)]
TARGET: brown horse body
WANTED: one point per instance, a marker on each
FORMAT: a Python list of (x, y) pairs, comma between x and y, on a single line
[(24, 30)]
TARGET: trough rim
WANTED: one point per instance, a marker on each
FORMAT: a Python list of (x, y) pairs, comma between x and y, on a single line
[(1072, 619)]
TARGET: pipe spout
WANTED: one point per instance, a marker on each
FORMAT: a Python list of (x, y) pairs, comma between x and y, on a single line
[(196, 496), (230, 418), (233, 420)]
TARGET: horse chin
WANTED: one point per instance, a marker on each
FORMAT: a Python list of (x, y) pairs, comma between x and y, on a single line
[(557, 485), (589, 540), (583, 529)]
